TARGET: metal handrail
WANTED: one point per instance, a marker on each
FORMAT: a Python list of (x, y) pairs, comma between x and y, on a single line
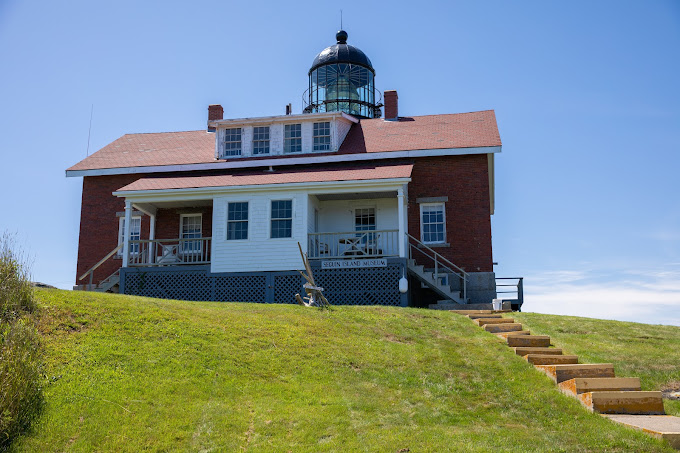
[(519, 288), (437, 258), (91, 270)]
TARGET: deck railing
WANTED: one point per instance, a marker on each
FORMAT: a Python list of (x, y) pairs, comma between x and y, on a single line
[(353, 244), (510, 289), (169, 252)]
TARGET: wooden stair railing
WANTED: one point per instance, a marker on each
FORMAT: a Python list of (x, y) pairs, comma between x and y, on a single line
[(91, 270)]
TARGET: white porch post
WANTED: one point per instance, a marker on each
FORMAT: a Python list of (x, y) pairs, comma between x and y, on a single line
[(402, 229), (152, 236), (126, 230)]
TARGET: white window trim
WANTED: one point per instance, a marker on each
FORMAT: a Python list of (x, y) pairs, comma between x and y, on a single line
[(301, 137), (226, 229), (354, 215), (181, 232), (330, 137), (121, 222), (422, 230), (292, 218), (269, 142)]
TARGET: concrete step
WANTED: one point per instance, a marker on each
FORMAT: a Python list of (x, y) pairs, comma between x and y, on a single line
[(664, 427), (622, 402), (486, 321), (505, 335), (484, 315), (583, 385), (561, 373), (461, 310), (545, 359), (524, 350), (447, 305), (495, 328), (531, 340)]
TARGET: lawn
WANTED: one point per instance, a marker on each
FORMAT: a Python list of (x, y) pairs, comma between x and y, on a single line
[(650, 352), (135, 374)]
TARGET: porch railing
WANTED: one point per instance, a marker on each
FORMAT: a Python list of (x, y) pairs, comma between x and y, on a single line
[(511, 289), (169, 252), (353, 244)]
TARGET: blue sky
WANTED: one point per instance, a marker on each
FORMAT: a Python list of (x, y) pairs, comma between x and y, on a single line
[(586, 96)]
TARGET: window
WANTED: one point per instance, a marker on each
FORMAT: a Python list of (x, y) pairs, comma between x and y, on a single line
[(292, 139), (432, 223), (237, 221), (322, 136), (261, 140), (364, 220), (135, 233), (232, 142), (282, 219), (190, 228)]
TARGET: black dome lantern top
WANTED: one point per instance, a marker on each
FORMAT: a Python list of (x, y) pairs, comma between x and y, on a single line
[(341, 53)]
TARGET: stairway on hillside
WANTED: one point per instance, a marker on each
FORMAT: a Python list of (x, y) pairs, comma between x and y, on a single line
[(593, 384), (110, 284)]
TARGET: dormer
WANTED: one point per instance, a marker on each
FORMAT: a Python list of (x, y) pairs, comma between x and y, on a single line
[(283, 135)]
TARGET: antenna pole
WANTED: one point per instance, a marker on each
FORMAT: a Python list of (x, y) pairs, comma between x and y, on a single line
[(89, 129), (340, 19)]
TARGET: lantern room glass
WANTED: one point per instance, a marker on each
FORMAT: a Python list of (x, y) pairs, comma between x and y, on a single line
[(343, 87)]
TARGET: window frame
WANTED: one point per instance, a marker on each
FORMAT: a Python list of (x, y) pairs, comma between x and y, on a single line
[(197, 241), (278, 219), (257, 140), (442, 204), (246, 221), (288, 138), (121, 239), (318, 146), (232, 152)]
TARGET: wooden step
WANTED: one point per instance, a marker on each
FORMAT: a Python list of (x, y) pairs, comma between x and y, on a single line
[(531, 340), (495, 328), (561, 373), (484, 315), (524, 350), (583, 385), (622, 402), (485, 321), (544, 359), (505, 335)]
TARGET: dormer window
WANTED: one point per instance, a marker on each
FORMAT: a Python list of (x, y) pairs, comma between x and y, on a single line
[(261, 140), (322, 136), (292, 139), (232, 142)]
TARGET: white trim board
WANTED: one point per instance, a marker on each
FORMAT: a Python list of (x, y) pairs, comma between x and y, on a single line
[(301, 160)]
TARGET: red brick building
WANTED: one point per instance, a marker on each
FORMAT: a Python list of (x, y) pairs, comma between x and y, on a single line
[(373, 201)]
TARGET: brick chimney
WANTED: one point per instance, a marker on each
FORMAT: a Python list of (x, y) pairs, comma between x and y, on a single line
[(215, 112), (391, 105)]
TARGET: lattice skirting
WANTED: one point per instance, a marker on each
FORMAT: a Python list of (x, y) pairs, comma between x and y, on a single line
[(368, 286)]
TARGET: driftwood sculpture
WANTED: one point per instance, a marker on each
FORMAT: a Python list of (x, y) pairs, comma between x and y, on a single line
[(315, 297)]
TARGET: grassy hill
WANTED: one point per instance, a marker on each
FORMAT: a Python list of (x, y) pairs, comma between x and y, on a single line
[(132, 374)]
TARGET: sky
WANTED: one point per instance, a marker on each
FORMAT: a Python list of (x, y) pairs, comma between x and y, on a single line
[(586, 95)]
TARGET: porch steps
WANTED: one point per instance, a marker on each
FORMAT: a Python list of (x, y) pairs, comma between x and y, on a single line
[(108, 284), (593, 384), (434, 282)]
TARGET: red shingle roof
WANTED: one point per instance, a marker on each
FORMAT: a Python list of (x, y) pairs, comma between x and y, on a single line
[(145, 150), (338, 173), (460, 130)]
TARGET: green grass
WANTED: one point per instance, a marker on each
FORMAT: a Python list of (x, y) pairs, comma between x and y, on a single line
[(650, 352), (138, 374)]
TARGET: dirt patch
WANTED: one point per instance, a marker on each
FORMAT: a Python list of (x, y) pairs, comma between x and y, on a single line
[(671, 391), (395, 339)]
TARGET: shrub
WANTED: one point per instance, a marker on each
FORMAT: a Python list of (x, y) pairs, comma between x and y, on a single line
[(20, 351)]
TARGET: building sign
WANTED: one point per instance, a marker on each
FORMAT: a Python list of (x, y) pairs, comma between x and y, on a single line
[(353, 264)]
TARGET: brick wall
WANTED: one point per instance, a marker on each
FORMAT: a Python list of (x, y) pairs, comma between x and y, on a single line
[(465, 181)]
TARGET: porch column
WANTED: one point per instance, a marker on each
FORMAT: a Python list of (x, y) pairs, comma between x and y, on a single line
[(126, 236), (152, 236), (402, 229)]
